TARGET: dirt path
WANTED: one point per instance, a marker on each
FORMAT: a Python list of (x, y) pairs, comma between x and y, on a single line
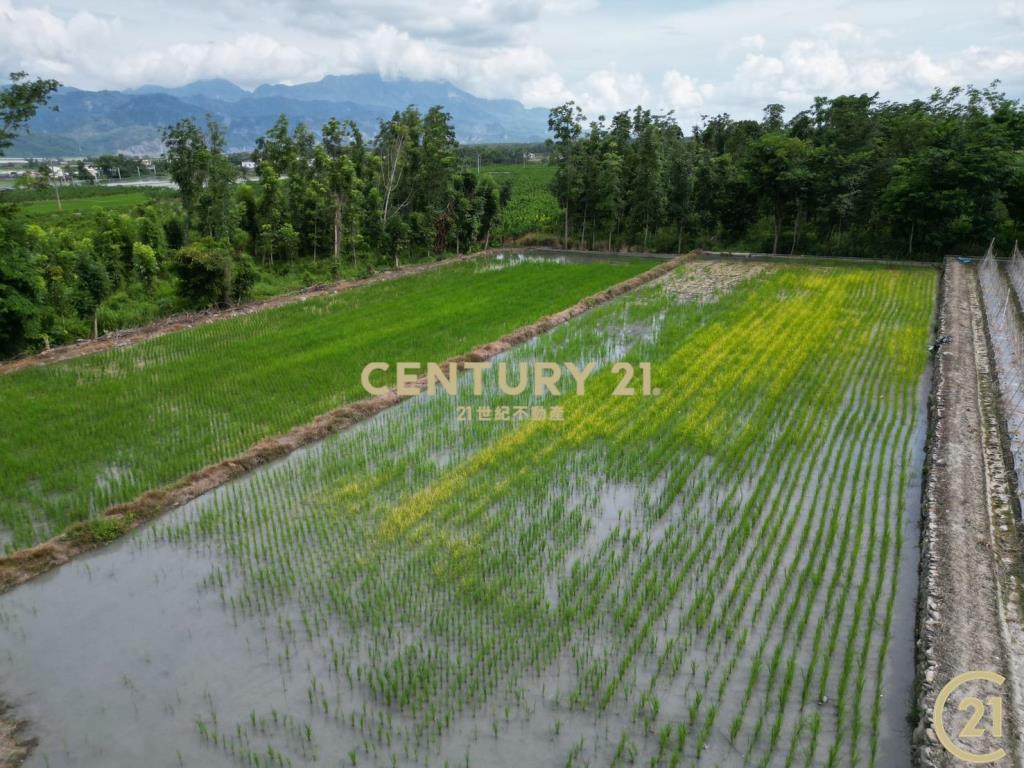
[(28, 563), (182, 322), (968, 612)]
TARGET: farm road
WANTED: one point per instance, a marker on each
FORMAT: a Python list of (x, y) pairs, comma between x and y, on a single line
[(969, 610)]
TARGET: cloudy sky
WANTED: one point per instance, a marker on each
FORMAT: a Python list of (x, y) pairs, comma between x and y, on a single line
[(694, 56)]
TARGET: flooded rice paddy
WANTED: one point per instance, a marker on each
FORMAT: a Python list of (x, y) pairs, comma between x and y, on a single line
[(724, 572)]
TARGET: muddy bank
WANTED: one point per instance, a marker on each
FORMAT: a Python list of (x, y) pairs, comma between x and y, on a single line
[(969, 546), (13, 748), (807, 258), (122, 518)]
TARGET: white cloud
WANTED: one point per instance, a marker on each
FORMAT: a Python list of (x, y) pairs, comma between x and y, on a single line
[(1012, 10), (683, 92), (842, 31), (248, 60), (39, 41), (759, 74), (807, 67), (986, 63), (394, 53), (606, 91), (814, 67), (459, 22), (545, 91), (926, 72), (753, 42), (730, 55)]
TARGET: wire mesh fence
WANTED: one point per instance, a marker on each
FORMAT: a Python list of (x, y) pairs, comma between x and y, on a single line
[(1001, 294)]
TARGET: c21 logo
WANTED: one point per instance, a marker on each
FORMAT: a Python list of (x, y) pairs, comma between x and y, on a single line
[(986, 717)]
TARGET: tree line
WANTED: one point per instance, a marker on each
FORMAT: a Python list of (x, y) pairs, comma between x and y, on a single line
[(325, 205), (849, 176), (403, 194)]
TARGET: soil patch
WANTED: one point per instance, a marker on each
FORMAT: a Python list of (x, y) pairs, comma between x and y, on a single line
[(705, 281), (13, 749)]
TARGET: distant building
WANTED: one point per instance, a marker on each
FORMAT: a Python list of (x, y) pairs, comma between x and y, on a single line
[(248, 165), (534, 157)]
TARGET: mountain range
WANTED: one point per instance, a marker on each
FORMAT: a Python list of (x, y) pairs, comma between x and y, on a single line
[(100, 122)]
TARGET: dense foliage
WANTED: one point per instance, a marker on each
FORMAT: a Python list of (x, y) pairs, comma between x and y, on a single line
[(402, 195), (62, 281), (79, 261), (850, 176)]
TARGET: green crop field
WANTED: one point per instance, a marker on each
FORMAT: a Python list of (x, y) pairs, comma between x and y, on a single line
[(119, 201), (84, 434), (708, 574), (83, 199), (533, 207)]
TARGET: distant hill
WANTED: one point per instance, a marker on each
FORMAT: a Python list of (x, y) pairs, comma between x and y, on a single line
[(98, 122), (221, 89)]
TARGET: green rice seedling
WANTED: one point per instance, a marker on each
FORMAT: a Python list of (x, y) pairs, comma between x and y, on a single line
[(148, 414), (426, 576)]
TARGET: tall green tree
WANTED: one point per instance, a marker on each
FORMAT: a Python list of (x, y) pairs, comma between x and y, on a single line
[(188, 163), (339, 175), (217, 205), (565, 123), (19, 103)]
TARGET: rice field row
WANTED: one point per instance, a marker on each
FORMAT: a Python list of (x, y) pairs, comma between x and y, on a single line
[(704, 576), (78, 436)]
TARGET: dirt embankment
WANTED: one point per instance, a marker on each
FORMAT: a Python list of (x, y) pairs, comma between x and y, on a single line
[(811, 259), (968, 611), (28, 563), (185, 321)]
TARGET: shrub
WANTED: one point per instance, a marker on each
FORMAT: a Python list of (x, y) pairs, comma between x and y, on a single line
[(211, 273)]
